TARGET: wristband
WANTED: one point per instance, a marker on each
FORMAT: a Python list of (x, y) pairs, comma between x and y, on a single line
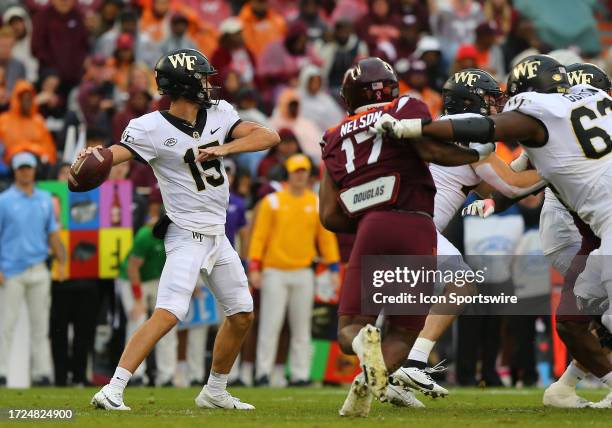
[(334, 267), (254, 266), (136, 290)]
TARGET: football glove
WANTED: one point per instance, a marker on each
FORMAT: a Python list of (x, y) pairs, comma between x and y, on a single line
[(482, 208)]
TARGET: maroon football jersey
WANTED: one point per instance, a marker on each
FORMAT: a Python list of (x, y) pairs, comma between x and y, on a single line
[(354, 154)]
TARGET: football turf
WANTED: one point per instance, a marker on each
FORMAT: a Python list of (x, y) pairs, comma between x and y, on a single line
[(305, 407)]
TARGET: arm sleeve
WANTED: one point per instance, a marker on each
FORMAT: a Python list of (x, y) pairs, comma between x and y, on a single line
[(328, 245), (136, 140), (261, 230)]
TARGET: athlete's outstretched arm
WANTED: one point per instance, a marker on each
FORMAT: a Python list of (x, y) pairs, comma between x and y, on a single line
[(445, 154), (331, 214), (120, 153), (498, 175), (247, 137)]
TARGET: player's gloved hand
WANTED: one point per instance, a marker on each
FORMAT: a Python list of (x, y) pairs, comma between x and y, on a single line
[(404, 128), (521, 163), (482, 208), (483, 149)]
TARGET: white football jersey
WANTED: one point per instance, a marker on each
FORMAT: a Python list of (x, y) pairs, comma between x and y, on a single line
[(195, 195), (577, 151), (453, 183)]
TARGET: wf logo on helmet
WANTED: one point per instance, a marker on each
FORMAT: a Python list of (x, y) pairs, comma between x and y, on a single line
[(183, 60), (527, 68), (466, 77), (579, 77)]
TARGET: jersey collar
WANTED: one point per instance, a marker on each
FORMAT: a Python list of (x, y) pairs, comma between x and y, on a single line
[(184, 126)]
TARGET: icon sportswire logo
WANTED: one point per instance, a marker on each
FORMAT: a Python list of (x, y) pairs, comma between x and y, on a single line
[(182, 59)]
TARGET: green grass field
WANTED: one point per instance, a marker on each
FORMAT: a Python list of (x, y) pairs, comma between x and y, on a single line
[(311, 407)]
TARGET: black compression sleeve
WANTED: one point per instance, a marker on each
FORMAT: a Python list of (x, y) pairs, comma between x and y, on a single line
[(477, 129)]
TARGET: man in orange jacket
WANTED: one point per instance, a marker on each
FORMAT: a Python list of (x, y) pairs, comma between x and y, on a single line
[(22, 128)]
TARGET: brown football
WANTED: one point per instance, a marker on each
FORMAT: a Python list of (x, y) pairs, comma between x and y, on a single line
[(91, 170)]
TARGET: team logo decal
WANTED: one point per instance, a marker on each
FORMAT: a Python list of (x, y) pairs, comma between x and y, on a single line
[(466, 77), (527, 68), (196, 135), (170, 142), (126, 137), (183, 60), (579, 77)]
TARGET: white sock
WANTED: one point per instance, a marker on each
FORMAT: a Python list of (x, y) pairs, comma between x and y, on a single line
[(217, 383), (572, 375), (120, 380), (607, 380), (246, 373), (421, 349)]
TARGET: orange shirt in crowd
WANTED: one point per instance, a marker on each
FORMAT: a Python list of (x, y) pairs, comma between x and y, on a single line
[(25, 133), (258, 33), (431, 98)]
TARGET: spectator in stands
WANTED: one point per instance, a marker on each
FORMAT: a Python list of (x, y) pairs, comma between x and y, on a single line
[(283, 270), (177, 39), (310, 15), (155, 20), (22, 128), (14, 69), (19, 20), (27, 230), (428, 49), (467, 57), (123, 59), (107, 16), (404, 46), (232, 54), (414, 82), (136, 105), (236, 228), (50, 103), (454, 23), (278, 155), (339, 54), (213, 11), (261, 25), (316, 104), (380, 26), (246, 99), (490, 56), (146, 50), (418, 9), (280, 63), (287, 114), (59, 41), (523, 37), (502, 13)]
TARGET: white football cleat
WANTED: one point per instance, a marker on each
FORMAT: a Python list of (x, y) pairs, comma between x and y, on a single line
[(402, 397), (359, 399), (108, 400), (606, 403), (564, 397), (420, 380), (224, 401), (372, 361)]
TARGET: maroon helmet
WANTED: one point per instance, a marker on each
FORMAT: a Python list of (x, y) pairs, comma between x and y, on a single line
[(371, 81)]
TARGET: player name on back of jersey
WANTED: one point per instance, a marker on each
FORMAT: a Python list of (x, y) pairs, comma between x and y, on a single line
[(362, 122)]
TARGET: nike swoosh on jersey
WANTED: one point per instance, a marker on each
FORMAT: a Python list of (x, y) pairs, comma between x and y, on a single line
[(212, 132)]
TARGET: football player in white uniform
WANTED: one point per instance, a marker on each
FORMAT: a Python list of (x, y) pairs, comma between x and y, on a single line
[(185, 147), (561, 242), (566, 134), (470, 92)]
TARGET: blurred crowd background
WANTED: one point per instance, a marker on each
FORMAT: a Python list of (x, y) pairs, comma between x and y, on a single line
[(74, 73)]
